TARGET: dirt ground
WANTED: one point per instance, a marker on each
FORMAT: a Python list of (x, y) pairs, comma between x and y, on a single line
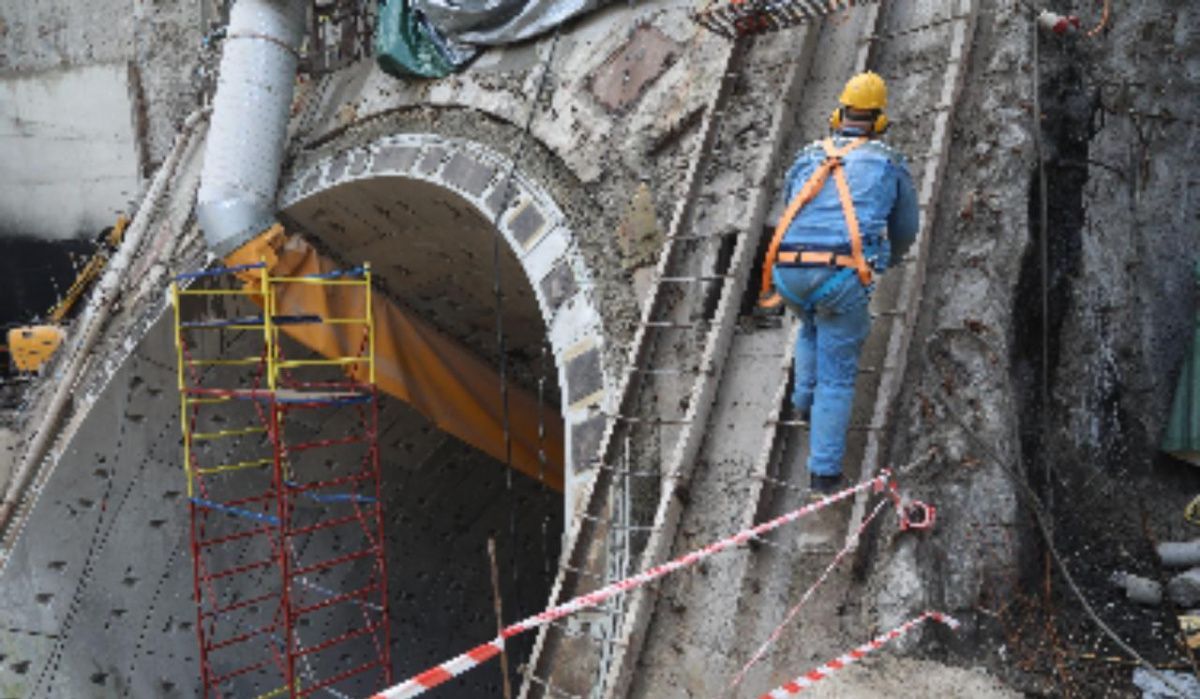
[(888, 676)]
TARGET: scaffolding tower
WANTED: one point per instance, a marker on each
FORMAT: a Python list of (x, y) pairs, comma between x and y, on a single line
[(281, 460)]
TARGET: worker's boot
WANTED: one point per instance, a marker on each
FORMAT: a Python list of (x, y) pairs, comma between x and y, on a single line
[(822, 528), (822, 486), (796, 416)]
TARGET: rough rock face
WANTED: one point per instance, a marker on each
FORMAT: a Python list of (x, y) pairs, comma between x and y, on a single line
[(958, 360), (1118, 138), (1122, 131)]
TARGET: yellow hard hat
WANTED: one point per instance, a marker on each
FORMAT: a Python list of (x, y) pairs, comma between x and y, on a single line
[(865, 92)]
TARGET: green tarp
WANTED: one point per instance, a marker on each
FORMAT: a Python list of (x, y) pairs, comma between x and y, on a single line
[(406, 45), (1183, 431)]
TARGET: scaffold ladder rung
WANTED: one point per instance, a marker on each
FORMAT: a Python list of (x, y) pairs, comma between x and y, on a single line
[(248, 511)]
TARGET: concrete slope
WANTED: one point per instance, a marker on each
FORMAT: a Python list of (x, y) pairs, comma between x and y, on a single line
[(751, 466), (695, 643), (628, 519)]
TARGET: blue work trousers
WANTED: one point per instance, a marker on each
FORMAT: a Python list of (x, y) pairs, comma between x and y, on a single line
[(833, 308)]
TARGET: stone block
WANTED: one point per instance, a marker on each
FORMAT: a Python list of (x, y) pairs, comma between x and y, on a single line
[(584, 376), (468, 174), (585, 440), (394, 158), (432, 160), (559, 285), (337, 168), (624, 77), (502, 196), (527, 224), (311, 181)]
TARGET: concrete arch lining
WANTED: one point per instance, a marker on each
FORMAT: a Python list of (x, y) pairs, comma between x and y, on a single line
[(537, 232)]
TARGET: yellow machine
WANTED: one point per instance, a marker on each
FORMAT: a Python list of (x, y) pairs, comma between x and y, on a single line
[(32, 346)]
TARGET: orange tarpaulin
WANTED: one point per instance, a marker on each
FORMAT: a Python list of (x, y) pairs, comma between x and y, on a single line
[(414, 362)]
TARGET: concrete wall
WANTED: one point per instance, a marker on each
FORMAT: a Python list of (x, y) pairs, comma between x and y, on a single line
[(158, 41), (68, 151)]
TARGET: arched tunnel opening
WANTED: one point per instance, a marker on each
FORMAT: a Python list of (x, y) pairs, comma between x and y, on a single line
[(435, 254)]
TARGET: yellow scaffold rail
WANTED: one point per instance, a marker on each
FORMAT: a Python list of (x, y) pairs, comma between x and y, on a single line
[(336, 361), (243, 503), (238, 466), (222, 434), (366, 354), (248, 361)]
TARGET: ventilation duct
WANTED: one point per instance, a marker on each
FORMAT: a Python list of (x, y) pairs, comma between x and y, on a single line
[(249, 122)]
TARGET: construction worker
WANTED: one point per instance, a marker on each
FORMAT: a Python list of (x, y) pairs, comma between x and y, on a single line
[(852, 209)]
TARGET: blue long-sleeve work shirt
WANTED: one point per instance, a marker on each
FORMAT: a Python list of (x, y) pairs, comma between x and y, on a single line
[(883, 194)]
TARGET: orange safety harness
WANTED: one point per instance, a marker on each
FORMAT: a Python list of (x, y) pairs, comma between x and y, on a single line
[(769, 297)]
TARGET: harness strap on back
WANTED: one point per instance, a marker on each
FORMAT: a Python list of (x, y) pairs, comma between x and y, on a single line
[(769, 297)]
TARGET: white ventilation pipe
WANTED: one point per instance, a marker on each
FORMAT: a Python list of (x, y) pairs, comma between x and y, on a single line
[(246, 139)]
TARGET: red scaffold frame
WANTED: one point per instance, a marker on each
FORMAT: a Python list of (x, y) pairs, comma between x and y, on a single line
[(271, 604)]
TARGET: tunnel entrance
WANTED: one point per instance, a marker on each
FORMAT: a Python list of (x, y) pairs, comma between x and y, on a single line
[(436, 254)]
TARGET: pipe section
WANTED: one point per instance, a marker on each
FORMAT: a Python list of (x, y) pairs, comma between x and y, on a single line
[(1180, 554), (246, 139)]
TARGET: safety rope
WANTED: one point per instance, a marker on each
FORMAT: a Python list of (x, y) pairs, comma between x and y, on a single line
[(839, 663), (851, 542), (443, 672)]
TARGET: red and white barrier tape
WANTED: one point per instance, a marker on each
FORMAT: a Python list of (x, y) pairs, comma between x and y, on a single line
[(762, 650), (805, 681), (435, 676)]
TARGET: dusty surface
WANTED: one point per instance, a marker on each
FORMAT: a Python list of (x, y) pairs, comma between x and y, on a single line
[(907, 677)]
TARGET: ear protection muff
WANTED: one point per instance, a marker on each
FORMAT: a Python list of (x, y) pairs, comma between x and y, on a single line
[(881, 123), (835, 119), (878, 126)]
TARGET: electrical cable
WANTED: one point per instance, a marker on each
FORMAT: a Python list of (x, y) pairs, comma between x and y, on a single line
[(1103, 20), (498, 292)]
